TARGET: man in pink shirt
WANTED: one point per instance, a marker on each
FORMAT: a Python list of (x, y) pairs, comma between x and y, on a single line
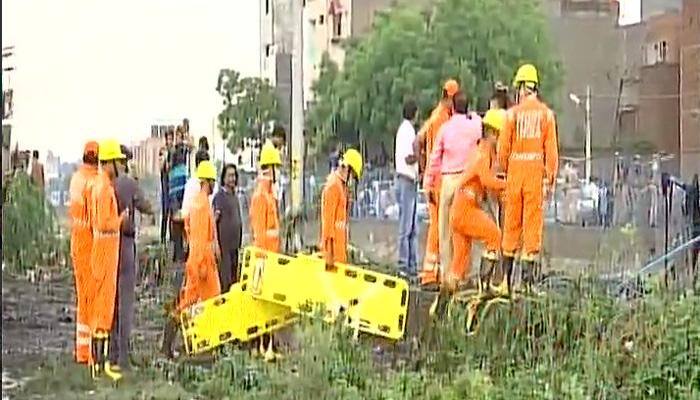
[(456, 142)]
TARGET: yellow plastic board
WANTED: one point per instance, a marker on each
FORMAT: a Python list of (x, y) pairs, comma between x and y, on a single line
[(234, 316), (372, 302)]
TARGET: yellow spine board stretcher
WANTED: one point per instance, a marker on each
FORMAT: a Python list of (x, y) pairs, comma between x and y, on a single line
[(371, 302), (234, 316)]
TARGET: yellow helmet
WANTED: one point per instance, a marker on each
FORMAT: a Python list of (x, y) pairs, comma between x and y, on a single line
[(110, 149), (496, 119), (269, 155), (527, 73), (206, 170), (353, 159)]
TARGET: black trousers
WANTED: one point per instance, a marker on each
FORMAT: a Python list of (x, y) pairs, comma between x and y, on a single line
[(228, 268)]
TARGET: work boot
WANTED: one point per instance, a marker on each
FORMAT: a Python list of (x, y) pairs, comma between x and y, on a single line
[(97, 359), (529, 268), (113, 372), (488, 262), (507, 267), (439, 306)]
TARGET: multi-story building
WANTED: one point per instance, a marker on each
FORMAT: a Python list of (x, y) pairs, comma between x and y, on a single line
[(689, 57), (325, 24), (659, 113), (147, 152)]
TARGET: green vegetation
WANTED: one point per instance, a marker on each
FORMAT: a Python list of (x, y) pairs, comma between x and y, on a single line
[(411, 51), (249, 105), (579, 345), (30, 229)]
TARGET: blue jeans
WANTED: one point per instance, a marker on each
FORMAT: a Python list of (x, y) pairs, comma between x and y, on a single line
[(406, 196)]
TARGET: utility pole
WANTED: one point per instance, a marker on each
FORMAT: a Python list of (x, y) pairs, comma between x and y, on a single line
[(297, 134), (588, 133)]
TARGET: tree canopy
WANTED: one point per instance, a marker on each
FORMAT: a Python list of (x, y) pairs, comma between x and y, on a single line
[(410, 52), (249, 106)]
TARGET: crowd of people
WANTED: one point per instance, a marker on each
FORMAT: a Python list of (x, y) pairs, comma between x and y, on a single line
[(510, 156), (201, 224)]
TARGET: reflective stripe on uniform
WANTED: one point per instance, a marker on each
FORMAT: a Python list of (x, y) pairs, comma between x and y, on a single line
[(272, 232), (83, 341), (526, 156), (107, 234), (340, 224)]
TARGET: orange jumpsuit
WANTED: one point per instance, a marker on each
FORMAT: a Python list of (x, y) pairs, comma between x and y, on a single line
[(201, 273), (80, 250), (264, 219), (334, 217), (467, 220), (430, 272), (528, 152), (104, 257)]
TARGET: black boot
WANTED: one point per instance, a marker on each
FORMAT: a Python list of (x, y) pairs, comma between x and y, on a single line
[(507, 268), (439, 307), (485, 273), (97, 362), (529, 266)]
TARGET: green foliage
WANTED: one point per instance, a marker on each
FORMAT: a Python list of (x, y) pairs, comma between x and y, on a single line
[(29, 227), (249, 105), (409, 53)]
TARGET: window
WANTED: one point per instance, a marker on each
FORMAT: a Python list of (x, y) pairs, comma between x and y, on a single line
[(267, 7), (663, 51), (268, 50), (337, 25), (321, 19)]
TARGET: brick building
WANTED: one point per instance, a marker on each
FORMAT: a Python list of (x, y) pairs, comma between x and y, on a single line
[(659, 114), (689, 57)]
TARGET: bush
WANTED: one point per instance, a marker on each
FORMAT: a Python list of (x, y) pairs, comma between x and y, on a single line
[(582, 345), (29, 227)]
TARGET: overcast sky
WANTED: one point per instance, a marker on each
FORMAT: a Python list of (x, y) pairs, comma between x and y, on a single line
[(99, 68)]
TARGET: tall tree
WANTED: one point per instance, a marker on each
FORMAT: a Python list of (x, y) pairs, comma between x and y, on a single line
[(411, 51), (250, 105)]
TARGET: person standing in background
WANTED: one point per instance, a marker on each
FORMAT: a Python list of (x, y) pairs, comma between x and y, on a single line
[(406, 191), (37, 171), (104, 259), (423, 147), (164, 168), (455, 145), (227, 212), (81, 246), (129, 197)]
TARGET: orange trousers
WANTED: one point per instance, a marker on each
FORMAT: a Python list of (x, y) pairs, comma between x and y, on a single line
[(469, 223), (201, 280), (80, 250), (523, 212), (431, 260), (103, 286)]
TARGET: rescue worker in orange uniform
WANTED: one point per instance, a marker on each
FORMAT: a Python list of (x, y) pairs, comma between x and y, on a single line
[(201, 273), (81, 246), (528, 153), (264, 219), (468, 221), (334, 208), (423, 147), (104, 258)]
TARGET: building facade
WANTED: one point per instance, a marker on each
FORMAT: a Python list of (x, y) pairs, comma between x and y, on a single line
[(689, 58)]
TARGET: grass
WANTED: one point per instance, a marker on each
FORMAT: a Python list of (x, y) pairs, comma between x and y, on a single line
[(577, 345)]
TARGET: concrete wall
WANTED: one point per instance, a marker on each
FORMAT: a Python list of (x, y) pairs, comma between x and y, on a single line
[(659, 116)]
